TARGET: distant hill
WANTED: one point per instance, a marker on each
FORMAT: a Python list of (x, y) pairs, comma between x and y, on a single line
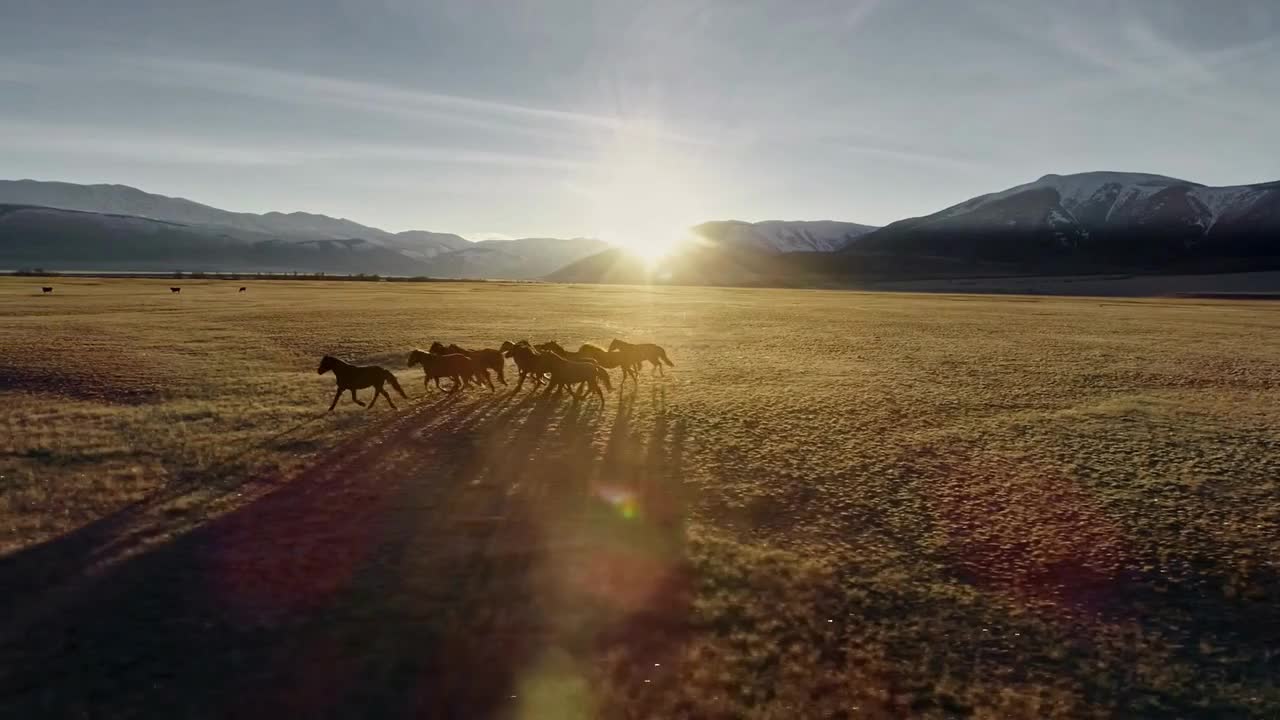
[(65, 225), (1105, 219), (53, 238), (1084, 223), (783, 235)]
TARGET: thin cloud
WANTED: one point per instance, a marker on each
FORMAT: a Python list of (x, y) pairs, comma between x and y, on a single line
[(914, 157), (180, 149), (307, 88)]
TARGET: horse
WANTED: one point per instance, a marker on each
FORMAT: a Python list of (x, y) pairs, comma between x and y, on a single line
[(46, 289), (354, 377), (641, 352), (558, 349), (486, 358), (460, 368), (571, 372), (528, 361), (241, 289), (175, 289), (610, 359)]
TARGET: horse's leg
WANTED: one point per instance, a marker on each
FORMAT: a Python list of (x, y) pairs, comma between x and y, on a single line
[(354, 399), (336, 395), (376, 389), (386, 395), (595, 388)]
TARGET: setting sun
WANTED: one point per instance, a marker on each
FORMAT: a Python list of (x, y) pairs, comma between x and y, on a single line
[(644, 205)]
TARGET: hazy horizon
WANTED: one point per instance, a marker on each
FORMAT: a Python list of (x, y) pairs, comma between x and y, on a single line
[(564, 119)]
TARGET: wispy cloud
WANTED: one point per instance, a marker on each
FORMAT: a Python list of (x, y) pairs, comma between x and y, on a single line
[(913, 157), (1130, 53), (170, 148), (275, 85)]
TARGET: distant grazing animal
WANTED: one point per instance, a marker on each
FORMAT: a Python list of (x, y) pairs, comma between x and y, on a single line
[(529, 362), (173, 289), (571, 372), (242, 289), (610, 359), (354, 377), (643, 351), (486, 358), (462, 369), (46, 289)]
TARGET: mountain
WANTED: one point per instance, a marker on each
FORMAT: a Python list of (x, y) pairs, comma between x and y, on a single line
[(522, 259), (781, 236), (116, 227), (1094, 219), (125, 200), (33, 236)]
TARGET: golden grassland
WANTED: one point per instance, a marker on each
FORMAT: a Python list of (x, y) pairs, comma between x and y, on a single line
[(836, 505)]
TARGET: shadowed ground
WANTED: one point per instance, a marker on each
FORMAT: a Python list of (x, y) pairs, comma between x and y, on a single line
[(466, 558)]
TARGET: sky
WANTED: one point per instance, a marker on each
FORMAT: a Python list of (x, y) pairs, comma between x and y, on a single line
[(625, 119)]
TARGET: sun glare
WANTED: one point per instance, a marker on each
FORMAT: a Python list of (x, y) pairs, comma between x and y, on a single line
[(644, 206)]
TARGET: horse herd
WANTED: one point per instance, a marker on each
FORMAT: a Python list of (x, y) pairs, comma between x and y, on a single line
[(581, 372)]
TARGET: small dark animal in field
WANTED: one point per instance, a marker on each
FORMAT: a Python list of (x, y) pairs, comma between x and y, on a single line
[(486, 358), (173, 289), (528, 361), (571, 372), (355, 377), (242, 289), (637, 353), (460, 368), (46, 289)]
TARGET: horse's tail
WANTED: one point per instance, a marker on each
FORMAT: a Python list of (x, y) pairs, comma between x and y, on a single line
[(391, 378), (603, 376), (663, 355)]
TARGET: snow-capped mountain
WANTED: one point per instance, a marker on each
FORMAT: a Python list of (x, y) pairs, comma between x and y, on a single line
[(1102, 216), (781, 236)]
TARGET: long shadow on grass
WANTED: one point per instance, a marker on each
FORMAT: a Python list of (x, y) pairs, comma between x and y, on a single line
[(458, 563)]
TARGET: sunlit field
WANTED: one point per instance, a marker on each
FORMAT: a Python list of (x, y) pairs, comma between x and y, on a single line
[(834, 505)]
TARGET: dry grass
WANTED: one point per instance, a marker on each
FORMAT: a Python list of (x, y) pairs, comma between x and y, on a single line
[(836, 505)]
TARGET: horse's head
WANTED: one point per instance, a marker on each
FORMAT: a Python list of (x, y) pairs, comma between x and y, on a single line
[(437, 348), (505, 348), (551, 346), (616, 344), (415, 357), (326, 364)]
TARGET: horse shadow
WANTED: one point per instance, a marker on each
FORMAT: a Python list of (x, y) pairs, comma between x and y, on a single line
[(429, 570)]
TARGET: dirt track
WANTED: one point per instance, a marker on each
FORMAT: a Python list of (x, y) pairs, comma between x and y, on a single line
[(461, 558)]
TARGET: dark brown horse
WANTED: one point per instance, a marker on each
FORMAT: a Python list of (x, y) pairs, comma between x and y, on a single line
[(567, 373), (637, 353), (460, 368), (355, 377), (528, 361), (46, 289), (242, 289), (175, 289), (610, 359), (486, 358)]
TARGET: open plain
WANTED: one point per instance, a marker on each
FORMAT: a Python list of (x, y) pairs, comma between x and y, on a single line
[(836, 504)]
